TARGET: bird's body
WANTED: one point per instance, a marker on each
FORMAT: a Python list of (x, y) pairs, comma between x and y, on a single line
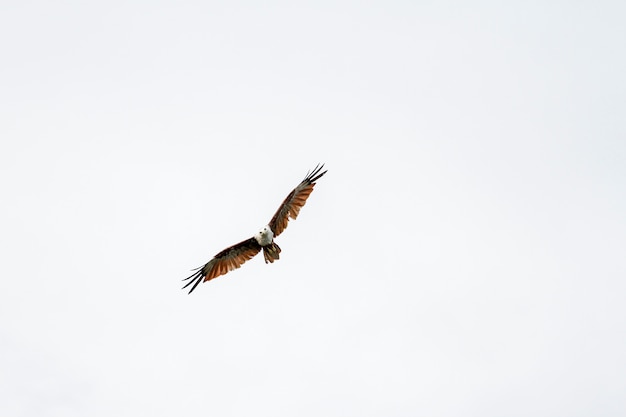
[(265, 238), (234, 256)]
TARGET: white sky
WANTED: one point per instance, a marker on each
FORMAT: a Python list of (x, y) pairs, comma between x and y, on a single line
[(464, 255)]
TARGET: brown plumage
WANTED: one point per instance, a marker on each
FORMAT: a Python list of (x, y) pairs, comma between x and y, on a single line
[(290, 208), (235, 256), (271, 252)]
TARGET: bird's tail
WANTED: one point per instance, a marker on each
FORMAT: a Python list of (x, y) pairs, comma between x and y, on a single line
[(271, 252)]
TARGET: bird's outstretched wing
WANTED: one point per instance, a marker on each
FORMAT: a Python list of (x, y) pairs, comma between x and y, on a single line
[(295, 201), (227, 260)]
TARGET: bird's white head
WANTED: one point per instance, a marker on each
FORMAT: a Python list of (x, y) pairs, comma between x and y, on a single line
[(264, 236)]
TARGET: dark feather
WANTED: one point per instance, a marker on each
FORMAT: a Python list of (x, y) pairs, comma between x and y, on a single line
[(290, 208), (227, 260)]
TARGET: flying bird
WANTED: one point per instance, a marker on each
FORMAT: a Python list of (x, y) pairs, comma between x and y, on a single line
[(235, 256)]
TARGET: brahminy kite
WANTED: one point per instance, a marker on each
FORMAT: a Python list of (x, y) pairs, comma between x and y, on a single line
[(235, 256)]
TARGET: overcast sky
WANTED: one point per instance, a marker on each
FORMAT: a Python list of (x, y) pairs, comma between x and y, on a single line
[(465, 254)]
